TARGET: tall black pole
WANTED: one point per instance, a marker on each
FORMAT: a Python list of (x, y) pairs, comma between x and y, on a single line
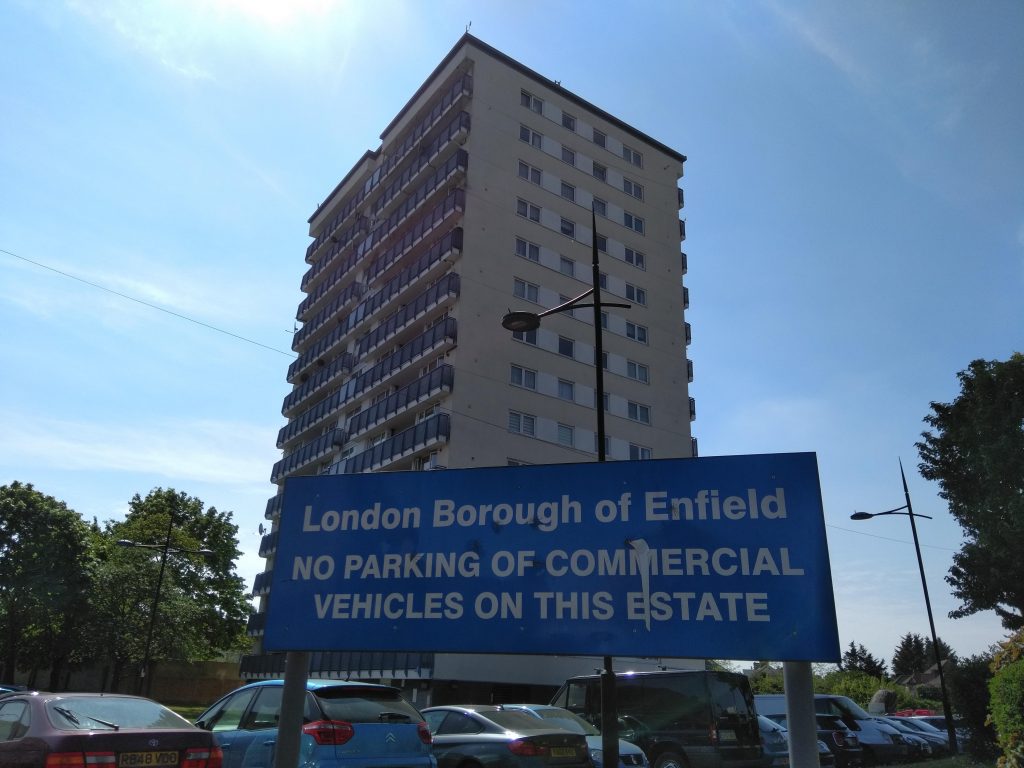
[(946, 710), (144, 675), (609, 710)]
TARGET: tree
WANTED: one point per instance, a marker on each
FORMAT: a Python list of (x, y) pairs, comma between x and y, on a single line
[(976, 453), (910, 656), (45, 572), (856, 658), (202, 609)]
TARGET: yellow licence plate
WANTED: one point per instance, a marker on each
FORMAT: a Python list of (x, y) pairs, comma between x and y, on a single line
[(563, 752), (146, 759)]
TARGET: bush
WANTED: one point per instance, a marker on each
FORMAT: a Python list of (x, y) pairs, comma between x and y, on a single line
[(1006, 689)]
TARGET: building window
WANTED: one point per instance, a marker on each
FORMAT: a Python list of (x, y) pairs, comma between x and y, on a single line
[(523, 377), (566, 346), (527, 250), (636, 332), (607, 444), (567, 266), (565, 435), (568, 227), (600, 207), (524, 290), (523, 423), (633, 222), (638, 371), (604, 320), (563, 299), (568, 121), (527, 337), (527, 210), (602, 243), (568, 191), (638, 295), (632, 188), (599, 138), (530, 136), (566, 390), (635, 258), (528, 172), (531, 102), (633, 157), (568, 156), (638, 412), (600, 172), (602, 280), (638, 452)]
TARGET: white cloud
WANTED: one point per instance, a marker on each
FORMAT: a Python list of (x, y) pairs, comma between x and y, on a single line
[(227, 453)]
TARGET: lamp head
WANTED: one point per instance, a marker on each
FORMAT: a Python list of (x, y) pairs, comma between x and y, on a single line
[(521, 321), (861, 516)]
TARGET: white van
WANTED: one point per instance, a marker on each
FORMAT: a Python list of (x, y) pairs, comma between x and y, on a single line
[(880, 742)]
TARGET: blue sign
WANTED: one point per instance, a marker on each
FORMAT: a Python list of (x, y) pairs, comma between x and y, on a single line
[(719, 557)]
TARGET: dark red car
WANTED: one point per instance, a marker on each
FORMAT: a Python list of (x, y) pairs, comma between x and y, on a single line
[(99, 730)]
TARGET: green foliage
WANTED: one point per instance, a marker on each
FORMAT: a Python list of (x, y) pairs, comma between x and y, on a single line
[(855, 684), (1006, 689), (910, 656), (976, 453), (858, 659), (45, 570), (969, 699)]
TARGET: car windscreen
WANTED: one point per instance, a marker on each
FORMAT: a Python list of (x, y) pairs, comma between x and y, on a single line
[(515, 721), (365, 705), (569, 721), (841, 706), (86, 713)]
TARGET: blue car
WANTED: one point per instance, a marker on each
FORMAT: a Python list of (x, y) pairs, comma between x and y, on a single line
[(345, 725)]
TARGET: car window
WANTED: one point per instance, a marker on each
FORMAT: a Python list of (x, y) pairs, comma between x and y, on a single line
[(434, 720), (227, 716), (14, 720), (86, 713), (457, 722), (515, 721), (266, 710), (366, 705)]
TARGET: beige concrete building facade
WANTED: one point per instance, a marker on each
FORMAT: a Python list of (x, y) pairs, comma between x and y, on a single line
[(478, 201)]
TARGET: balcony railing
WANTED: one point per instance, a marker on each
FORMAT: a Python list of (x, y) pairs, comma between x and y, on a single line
[(433, 219), (693, 447), (341, 364), (307, 454), (332, 309), (438, 380), (435, 429), (273, 507), (439, 335), (268, 544), (689, 369), (693, 409), (689, 334), (446, 287), (681, 200), (462, 86), (682, 229), (686, 297), (685, 265), (261, 585), (256, 624)]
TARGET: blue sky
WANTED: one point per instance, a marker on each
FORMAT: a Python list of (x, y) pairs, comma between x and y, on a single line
[(854, 206)]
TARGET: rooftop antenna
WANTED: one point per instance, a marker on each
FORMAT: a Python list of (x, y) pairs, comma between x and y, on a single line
[(468, 26)]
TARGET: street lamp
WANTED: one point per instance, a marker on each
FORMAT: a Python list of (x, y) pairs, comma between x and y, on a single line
[(164, 548), (529, 321), (946, 710)]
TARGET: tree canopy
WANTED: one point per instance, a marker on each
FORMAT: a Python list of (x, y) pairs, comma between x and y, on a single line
[(857, 658), (975, 451)]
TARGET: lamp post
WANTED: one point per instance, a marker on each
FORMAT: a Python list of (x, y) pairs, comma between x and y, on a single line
[(946, 710), (164, 548), (529, 321)]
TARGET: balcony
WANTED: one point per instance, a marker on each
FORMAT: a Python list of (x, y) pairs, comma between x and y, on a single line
[(454, 202), (689, 370), (307, 454), (686, 297), (680, 199), (332, 309), (438, 380), (317, 354), (463, 86), (693, 409), (693, 447), (268, 544), (341, 364), (256, 624), (682, 229), (428, 432), (261, 585), (273, 507), (685, 265), (689, 334), (445, 288)]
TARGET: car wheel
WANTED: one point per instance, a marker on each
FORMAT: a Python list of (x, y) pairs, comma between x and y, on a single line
[(670, 760)]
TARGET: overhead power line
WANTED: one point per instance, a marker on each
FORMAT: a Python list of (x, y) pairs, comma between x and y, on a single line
[(146, 303)]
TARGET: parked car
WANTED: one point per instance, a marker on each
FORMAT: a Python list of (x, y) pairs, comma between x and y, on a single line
[(489, 736), (939, 722), (879, 741), (684, 719), (840, 740), (630, 755), (775, 743), (345, 725), (937, 743), (76, 730)]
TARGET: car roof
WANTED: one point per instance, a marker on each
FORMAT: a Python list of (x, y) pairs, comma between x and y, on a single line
[(317, 683)]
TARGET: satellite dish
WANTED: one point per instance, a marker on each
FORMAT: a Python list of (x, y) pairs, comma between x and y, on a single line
[(262, 529)]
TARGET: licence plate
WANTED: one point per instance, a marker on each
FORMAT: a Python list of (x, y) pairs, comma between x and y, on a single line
[(563, 752), (146, 759)]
